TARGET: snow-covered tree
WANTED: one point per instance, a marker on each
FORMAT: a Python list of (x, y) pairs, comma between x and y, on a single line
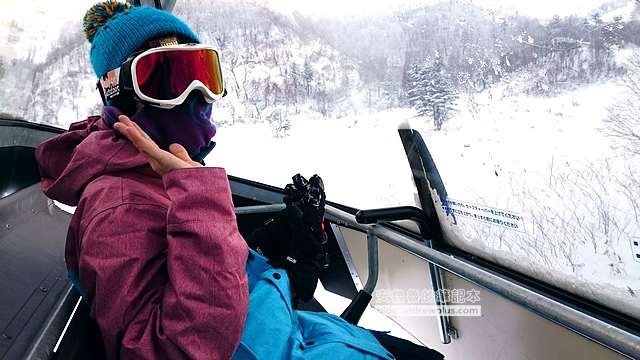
[(613, 32), (623, 121), (279, 122), (2, 67), (431, 92), (390, 89), (295, 78), (307, 75)]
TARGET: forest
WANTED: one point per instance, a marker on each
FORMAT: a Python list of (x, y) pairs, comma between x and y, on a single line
[(431, 58)]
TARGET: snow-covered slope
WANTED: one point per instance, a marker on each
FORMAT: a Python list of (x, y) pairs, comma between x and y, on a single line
[(545, 159)]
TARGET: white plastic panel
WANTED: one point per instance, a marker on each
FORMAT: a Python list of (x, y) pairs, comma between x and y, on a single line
[(505, 330)]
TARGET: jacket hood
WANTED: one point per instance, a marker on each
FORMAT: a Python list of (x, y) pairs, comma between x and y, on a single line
[(89, 149)]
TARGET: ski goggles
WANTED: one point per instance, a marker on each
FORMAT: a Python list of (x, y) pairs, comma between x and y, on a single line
[(165, 76)]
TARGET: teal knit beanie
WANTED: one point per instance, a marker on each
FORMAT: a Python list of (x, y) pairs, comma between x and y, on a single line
[(116, 30)]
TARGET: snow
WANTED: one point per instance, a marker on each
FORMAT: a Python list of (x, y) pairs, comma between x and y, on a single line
[(351, 152), (41, 19), (543, 158), (624, 13)]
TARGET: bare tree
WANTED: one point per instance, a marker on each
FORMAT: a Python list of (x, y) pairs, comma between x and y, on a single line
[(623, 120)]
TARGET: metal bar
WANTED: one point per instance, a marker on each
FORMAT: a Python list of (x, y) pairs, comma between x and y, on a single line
[(595, 329), (373, 263), (417, 215), (437, 286), (359, 303), (168, 5), (258, 209)]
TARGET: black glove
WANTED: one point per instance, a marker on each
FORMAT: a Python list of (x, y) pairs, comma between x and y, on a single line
[(309, 196), (293, 239)]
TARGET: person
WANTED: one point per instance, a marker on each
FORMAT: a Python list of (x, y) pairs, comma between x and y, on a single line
[(153, 245)]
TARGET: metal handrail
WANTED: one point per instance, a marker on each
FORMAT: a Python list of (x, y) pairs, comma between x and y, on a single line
[(258, 209), (375, 216), (359, 303), (373, 263)]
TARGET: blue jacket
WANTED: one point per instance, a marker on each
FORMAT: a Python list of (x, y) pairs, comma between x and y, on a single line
[(273, 330)]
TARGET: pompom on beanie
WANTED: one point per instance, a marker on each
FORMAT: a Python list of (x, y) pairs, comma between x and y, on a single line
[(116, 30)]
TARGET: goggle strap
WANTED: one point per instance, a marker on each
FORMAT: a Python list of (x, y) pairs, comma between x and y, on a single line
[(126, 84), (168, 41), (99, 87), (120, 77)]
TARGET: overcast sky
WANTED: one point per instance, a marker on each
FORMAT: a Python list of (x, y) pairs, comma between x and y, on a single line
[(538, 8)]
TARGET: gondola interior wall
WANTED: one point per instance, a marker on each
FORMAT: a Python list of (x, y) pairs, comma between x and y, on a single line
[(32, 272)]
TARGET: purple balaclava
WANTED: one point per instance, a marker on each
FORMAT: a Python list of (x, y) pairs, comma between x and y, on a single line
[(188, 124)]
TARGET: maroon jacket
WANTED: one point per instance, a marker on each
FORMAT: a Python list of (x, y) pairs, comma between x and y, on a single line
[(160, 258)]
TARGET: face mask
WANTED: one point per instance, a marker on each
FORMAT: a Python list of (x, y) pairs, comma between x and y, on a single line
[(188, 124)]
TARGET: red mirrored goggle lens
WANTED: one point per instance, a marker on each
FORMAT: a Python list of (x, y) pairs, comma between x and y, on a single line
[(166, 75)]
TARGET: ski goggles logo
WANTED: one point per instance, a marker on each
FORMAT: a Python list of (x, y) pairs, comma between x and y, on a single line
[(165, 76)]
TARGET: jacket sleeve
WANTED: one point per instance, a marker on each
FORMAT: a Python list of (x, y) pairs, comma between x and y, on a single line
[(194, 304)]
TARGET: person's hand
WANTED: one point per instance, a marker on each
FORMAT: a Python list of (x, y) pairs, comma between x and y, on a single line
[(309, 196), (293, 239), (161, 161)]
